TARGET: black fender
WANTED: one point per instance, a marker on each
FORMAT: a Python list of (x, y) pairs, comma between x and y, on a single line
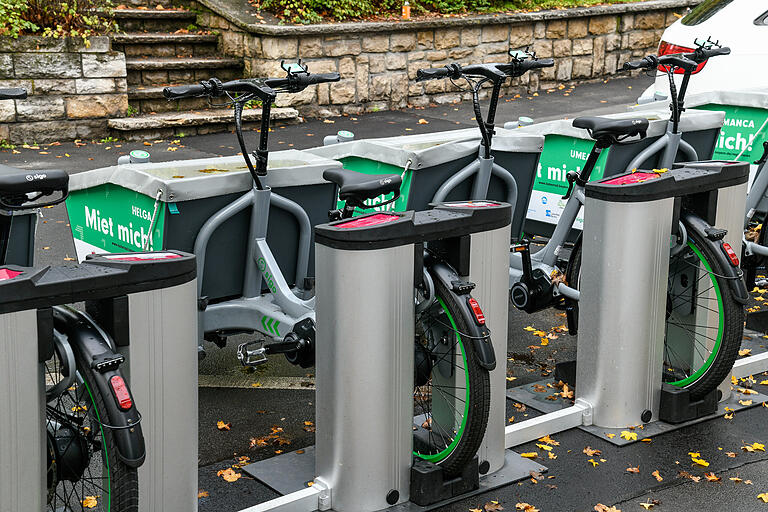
[(91, 344), (481, 335), (732, 273)]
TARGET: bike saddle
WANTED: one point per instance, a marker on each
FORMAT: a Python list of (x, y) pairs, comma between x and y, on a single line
[(16, 186), (602, 127), (358, 186)]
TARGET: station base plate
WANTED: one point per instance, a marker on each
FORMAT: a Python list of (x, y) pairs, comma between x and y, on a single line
[(293, 471), (538, 400)]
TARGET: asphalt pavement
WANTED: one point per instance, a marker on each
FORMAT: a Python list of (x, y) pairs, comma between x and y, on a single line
[(257, 402)]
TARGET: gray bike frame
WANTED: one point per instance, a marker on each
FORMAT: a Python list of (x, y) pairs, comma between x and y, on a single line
[(757, 201), (273, 314)]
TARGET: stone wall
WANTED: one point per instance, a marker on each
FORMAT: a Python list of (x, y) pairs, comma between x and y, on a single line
[(73, 89), (378, 61)]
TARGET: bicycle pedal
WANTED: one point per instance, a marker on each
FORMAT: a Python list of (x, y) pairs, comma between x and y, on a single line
[(252, 357)]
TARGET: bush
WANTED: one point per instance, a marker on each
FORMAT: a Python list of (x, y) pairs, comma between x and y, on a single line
[(56, 18)]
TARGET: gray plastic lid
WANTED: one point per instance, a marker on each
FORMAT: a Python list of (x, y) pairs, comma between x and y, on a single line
[(745, 98), (185, 180)]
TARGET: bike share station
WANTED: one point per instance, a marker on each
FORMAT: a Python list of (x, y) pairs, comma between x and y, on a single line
[(146, 302), (623, 334)]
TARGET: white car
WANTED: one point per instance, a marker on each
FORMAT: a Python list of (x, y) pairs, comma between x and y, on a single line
[(741, 25)]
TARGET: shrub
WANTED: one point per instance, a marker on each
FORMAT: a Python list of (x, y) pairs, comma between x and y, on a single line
[(56, 18)]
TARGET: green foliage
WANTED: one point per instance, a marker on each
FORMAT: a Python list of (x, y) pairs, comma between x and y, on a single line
[(12, 21), (6, 144), (316, 11), (56, 18)]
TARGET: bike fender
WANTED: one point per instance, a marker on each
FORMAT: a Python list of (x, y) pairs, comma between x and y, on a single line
[(90, 343), (733, 274), (480, 334)]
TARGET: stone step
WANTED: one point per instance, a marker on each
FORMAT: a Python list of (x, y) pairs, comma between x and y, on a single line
[(173, 63), (165, 45), (154, 20), (150, 99), (198, 122)]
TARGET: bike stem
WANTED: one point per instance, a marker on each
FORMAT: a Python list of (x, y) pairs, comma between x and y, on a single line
[(486, 125)]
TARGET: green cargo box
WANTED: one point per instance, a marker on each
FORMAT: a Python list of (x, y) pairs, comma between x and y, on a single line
[(112, 210), (566, 149), (435, 157), (746, 121)]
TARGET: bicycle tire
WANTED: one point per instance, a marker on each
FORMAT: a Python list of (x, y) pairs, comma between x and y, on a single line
[(718, 363), (446, 317), (750, 264), (120, 494)]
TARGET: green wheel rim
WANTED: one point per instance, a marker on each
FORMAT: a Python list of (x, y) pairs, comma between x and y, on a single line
[(108, 488), (443, 454), (718, 340)]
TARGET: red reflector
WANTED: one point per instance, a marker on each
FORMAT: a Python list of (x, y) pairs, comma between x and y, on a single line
[(628, 179), (8, 274), (666, 48), (121, 392), (372, 220), (479, 316), (731, 255)]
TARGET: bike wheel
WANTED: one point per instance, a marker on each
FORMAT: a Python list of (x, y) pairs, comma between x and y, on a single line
[(452, 393), (751, 264), (704, 322), (84, 471)]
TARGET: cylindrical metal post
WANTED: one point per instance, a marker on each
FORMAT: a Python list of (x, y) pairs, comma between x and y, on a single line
[(365, 333)]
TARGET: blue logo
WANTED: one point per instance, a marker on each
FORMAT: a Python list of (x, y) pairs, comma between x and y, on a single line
[(548, 213), (543, 200)]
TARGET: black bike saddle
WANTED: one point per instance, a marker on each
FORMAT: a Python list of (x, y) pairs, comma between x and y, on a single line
[(358, 186), (600, 127), (15, 184)]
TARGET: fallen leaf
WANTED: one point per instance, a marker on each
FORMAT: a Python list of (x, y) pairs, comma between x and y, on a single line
[(511, 419), (604, 508), (229, 475), (510, 379), (493, 506), (763, 496), (526, 507), (593, 462), (629, 436), (745, 352), (610, 436), (590, 451), (686, 474), (633, 470), (735, 479), (423, 121), (711, 477), (551, 455), (646, 506), (657, 475), (202, 494), (728, 415), (90, 502), (223, 426), (700, 462), (544, 447), (549, 440), (529, 455)]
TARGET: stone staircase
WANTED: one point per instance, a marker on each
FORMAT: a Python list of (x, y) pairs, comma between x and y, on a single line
[(164, 47)]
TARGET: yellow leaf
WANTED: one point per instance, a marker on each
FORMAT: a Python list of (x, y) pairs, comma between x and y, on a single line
[(764, 382), (511, 419), (694, 454), (544, 447), (529, 328), (604, 508), (552, 455), (758, 446), (610, 436), (526, 507), (629, 436), (549, 440), (510, 379), (223, 426), (90, 502), (590, 451), (735, 479), (544, 342), (745, 352), (646, 506), (202, 494), (593, 462), (711, 477), (646, 440), (423, 121), (229, 475), (529, 455), (633, 470), (657, 475), (734, 380), (700, 462), (728, 416), (763, 496), (745, 402)]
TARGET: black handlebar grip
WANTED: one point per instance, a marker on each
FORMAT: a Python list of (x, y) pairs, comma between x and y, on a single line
[(704, 54), (538, 63), (433, 73), (13, 94), (649, 62), (318, 78), (178, 92)]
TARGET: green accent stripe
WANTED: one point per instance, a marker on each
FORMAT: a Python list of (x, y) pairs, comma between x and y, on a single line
[(104, 445), (442, 455), (721, 328)]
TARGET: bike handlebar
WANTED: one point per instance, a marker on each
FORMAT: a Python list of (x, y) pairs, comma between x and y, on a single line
[(687, 61), (451, 70), (13, 94), (213, 88), (491, 71), (703, 54)]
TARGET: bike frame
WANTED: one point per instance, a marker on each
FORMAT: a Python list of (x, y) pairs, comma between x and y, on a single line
[(756, 202)]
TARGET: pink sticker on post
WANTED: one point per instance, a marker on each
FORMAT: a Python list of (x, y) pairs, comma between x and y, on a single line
[(629, 179), (373, 220)]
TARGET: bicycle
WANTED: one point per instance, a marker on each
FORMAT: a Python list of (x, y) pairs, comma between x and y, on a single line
[(94, 442), (541, 280), (445, 324), (755, 240)]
